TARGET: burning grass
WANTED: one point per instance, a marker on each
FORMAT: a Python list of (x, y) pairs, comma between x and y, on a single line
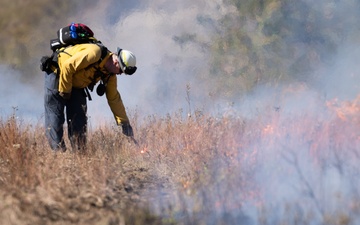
[(272, 168)]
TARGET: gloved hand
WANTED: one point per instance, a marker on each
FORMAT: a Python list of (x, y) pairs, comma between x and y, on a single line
[(65, 96), (127, 129)]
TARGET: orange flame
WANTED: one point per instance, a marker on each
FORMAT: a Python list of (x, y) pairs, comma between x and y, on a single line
[(345, 110)]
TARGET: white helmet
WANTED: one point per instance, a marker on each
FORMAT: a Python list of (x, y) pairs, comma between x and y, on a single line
[(127, 61)]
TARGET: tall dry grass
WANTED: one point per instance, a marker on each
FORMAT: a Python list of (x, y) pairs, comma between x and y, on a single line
[(198, 169), (115, 176)]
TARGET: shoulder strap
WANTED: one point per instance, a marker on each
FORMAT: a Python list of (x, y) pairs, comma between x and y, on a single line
[(104, 50), (98, 73)]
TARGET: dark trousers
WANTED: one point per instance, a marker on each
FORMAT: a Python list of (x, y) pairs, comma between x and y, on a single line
[(55, 109)]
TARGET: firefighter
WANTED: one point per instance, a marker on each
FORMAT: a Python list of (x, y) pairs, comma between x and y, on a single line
[(67, 87)]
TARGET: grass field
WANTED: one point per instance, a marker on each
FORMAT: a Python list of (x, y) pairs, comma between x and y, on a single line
[(286, 151), (271, 168)]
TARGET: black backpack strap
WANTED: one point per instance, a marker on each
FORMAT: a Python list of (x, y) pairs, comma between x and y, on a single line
[(98, 73), (104, 50), (50, 64), (87, 93)]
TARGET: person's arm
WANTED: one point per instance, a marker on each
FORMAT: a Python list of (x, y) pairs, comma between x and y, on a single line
[(115, 102)]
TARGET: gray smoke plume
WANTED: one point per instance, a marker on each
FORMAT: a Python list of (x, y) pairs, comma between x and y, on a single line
[(170, 42), (167, 39)]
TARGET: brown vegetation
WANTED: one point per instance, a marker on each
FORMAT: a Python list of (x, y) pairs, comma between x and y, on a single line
[(114, 180), (198, 169)]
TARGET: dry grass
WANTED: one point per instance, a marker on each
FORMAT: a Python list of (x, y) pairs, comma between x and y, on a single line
[(115, 179), (185, 170)]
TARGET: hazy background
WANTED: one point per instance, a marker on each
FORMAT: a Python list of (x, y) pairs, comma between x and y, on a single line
[(150, 30), (222, 50), (262, 60)]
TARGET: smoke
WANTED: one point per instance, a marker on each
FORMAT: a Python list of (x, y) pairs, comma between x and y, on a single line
[(166, 39), (341, 79), (170, 42), (154, 32), (18, 98)]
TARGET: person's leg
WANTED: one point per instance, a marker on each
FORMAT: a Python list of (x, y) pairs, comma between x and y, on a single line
[(54, 113), (76, 110)]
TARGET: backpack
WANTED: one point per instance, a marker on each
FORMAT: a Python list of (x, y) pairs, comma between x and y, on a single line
[(72, 34)]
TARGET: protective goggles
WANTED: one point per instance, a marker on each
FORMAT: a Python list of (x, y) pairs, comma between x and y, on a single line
[(129, 70)]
